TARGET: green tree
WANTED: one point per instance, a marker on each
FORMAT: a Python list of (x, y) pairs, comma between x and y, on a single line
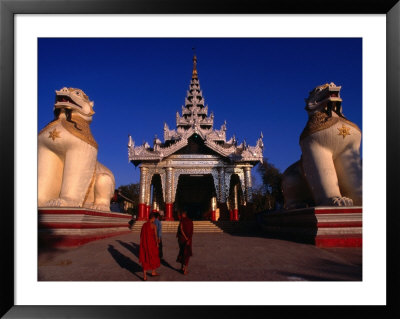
[(131, 191), (261, 200), (266, 196)]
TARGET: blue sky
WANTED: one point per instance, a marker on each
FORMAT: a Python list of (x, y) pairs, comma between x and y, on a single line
[(255, 84)]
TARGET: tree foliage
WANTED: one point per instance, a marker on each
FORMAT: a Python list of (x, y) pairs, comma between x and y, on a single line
[(131, 191), (269, 195)]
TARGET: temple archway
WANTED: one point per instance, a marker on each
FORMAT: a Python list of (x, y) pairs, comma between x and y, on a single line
[(194, 194), (157, 198)]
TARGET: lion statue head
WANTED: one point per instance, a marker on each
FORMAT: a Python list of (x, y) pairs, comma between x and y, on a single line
[(73, 101), (325, 98)]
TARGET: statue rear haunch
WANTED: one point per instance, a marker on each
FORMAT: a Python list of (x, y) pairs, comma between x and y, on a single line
[(69, 174), (329, 172)]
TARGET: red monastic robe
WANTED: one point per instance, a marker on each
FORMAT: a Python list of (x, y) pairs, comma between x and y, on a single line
[(185, 247), (148, 251)]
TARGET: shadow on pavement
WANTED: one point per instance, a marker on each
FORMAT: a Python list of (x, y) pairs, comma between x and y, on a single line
[(255, 229), (134, 249), (125, 262), (167, 264)]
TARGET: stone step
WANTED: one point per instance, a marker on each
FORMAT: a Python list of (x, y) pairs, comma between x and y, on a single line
[(206, 226), (172, 226)]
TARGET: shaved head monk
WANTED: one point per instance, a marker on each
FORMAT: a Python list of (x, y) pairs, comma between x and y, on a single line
[(184, 234), (148, 251)]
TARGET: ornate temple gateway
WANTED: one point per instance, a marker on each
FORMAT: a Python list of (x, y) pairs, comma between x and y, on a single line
[(196, 168)]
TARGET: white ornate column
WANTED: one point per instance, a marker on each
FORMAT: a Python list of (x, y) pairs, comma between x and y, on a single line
[(168, 193), (149, 177), (142, 193), (215, 175), (223, 209), (248, 183), (222, 193), (228, 175), (162, 191), (148, 196), (168, 184), (175, 179)]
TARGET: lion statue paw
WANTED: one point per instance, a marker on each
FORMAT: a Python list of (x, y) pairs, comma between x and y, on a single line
[(329, 171), (341, 201), (59, 202), (100, 207)]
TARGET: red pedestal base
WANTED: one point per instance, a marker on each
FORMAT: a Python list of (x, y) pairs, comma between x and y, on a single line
[(213, 216), (323, 226), (71, 227), (235, 215), (168, 211), (142, 211), (147, 211), (338, 241)]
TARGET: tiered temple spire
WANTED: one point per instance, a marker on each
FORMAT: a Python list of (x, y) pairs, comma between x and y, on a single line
[(195, 119), (194, 112)]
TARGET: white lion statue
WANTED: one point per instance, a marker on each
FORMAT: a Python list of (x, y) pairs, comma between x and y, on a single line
[(329, 172), (69, 174)]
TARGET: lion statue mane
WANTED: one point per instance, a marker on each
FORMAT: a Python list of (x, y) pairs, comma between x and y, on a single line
[(329, 172), (69, 174)]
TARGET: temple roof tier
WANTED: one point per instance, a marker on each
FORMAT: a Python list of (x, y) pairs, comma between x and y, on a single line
[(213, 139)]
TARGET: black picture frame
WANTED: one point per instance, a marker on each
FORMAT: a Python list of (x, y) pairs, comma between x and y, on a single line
[(8, 10)]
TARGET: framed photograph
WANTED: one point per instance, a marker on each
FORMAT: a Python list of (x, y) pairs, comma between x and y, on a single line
[(39, 35)]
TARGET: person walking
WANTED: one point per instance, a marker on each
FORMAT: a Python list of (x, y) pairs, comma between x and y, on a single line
[(158, 224), (148, 250), (184, 235)]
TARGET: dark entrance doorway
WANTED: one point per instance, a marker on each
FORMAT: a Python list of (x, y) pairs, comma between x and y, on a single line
[(193, 194)]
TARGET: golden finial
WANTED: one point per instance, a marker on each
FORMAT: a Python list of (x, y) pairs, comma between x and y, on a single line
[(194, 74)]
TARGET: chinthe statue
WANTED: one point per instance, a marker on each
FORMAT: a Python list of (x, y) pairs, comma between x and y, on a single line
[(329, 172), (69, 174)]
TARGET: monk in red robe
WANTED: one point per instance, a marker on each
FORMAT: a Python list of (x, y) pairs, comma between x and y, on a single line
[(148, 251), (185, 234)]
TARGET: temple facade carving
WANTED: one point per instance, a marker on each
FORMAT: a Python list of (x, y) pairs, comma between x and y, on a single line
[(196, 168)]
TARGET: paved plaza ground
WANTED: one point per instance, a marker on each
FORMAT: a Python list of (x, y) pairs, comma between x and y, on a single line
[(216, 257)]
